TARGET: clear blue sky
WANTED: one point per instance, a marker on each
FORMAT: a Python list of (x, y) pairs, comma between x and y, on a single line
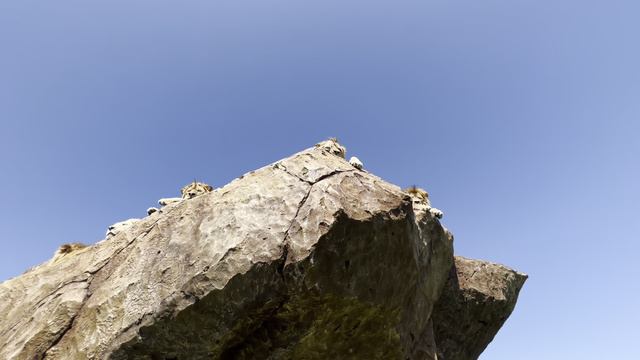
[(521, 118)]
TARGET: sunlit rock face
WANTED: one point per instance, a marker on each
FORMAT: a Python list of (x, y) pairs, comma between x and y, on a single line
[(306, 258)]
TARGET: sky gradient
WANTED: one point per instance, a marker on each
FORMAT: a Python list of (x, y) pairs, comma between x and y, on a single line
[(521, 119)]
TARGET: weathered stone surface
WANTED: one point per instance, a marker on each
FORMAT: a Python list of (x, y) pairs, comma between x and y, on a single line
[(307, 258), (477, 299)]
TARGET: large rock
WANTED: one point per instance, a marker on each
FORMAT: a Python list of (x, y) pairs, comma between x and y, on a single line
[(307, 258), (476, 301)]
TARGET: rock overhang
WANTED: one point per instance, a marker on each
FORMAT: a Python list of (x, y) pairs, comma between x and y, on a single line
[(307, 232)]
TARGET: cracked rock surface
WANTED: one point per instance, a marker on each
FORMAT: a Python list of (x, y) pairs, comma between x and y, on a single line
[(306, 258)]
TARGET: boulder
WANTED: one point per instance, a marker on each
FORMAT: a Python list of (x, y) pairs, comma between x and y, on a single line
[(306, 258)]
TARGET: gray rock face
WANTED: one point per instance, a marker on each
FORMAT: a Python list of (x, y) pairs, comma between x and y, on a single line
[(476, 301), (307, 258)]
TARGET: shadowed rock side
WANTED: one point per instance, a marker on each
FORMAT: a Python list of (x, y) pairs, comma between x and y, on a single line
[(307, 258), (478, 298)]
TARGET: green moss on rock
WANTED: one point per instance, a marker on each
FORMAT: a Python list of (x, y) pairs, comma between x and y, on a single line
[(320, 328)]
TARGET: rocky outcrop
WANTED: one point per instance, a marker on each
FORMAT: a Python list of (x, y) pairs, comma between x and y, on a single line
[(307, 258), (476, 301)]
